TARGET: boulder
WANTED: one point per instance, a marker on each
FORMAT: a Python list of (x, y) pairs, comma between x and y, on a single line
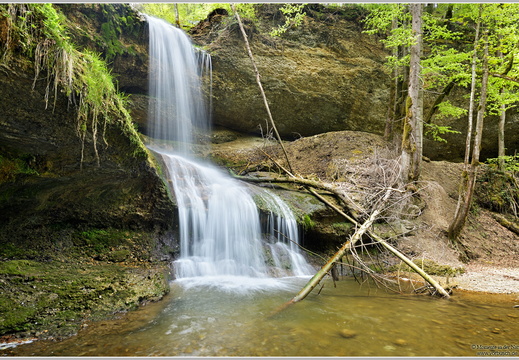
[(325, 75)]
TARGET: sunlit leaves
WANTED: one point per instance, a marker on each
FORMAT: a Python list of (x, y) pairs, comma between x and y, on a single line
[(294, 16), (190, 14)]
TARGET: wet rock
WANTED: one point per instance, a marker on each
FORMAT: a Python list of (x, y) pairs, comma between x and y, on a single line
[(347, 333), (400, 342)]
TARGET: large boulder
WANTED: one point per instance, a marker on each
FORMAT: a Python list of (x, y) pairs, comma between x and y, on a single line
[(325, 75)]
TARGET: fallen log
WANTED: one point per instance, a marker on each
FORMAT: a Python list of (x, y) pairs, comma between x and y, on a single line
[(397, 253), (314, 281), (361, 230), (507, 224), (352, 207)]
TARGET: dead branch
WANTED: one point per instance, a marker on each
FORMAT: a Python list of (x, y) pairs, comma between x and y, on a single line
[(314, 281), (258, 80), (352, 207)]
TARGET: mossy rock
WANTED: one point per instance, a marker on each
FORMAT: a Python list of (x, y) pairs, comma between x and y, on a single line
[(430, 267), (53, 298)]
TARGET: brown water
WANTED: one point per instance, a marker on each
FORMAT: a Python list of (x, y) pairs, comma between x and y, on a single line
[(349, 320)]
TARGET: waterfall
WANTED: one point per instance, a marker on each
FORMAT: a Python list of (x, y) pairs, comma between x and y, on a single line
[(219, 223)]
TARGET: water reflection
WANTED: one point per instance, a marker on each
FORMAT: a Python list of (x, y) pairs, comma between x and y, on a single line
[(349, 320)]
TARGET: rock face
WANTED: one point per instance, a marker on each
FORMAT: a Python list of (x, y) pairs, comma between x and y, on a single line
[(125, 191), (51, 194), (325, 75), (322, 76)]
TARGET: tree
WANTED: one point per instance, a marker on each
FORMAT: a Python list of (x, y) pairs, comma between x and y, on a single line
[(405, 63), (494, 19), (412, 137)]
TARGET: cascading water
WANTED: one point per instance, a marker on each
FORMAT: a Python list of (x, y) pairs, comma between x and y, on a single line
[(220, 231)]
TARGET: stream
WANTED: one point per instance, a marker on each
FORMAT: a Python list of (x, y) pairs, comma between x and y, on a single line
[(346, 320), (230, 280)]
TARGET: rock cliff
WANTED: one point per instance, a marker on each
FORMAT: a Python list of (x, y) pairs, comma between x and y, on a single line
[(325, 75), (46, 190), (322, 76)]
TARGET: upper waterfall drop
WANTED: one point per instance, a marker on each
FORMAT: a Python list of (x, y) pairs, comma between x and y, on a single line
[(221, 235), (177, 110)]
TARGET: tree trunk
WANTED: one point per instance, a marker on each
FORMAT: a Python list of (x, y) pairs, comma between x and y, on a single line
[(177, 17), (258, 80), (469, 177), (446, 91), (413, 126), (502, 121), (501, 137), (395, 95)]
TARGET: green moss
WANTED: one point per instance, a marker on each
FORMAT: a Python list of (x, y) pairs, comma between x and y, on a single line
[(308, 223), (80, 75), (497, 191), (11, 168), (58, 296), (343, 226), (430, 267)]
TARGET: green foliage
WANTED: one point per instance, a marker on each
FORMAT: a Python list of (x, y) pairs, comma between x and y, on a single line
[(511, 162), (191, 14), (294, 16), (435, 131)]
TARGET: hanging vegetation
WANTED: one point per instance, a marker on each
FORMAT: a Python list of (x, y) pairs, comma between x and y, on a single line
[(38, 31)]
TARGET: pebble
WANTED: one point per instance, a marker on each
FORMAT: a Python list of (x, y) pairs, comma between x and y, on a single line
[(389, 348), (347, 333), (400, 342), (496, 331), (495, 317)]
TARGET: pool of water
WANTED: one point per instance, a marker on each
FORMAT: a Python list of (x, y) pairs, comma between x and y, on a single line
[(346, 320)]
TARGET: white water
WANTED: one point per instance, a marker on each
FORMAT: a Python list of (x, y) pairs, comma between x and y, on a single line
[(221, 239)]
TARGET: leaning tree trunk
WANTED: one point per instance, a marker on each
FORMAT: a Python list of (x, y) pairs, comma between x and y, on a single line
[(361, 230), (339, 254), (458, 221), (258, 80), (413, 126), (469, 177)]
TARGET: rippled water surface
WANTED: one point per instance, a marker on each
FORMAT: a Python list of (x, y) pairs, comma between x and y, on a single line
[(349, 320)]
